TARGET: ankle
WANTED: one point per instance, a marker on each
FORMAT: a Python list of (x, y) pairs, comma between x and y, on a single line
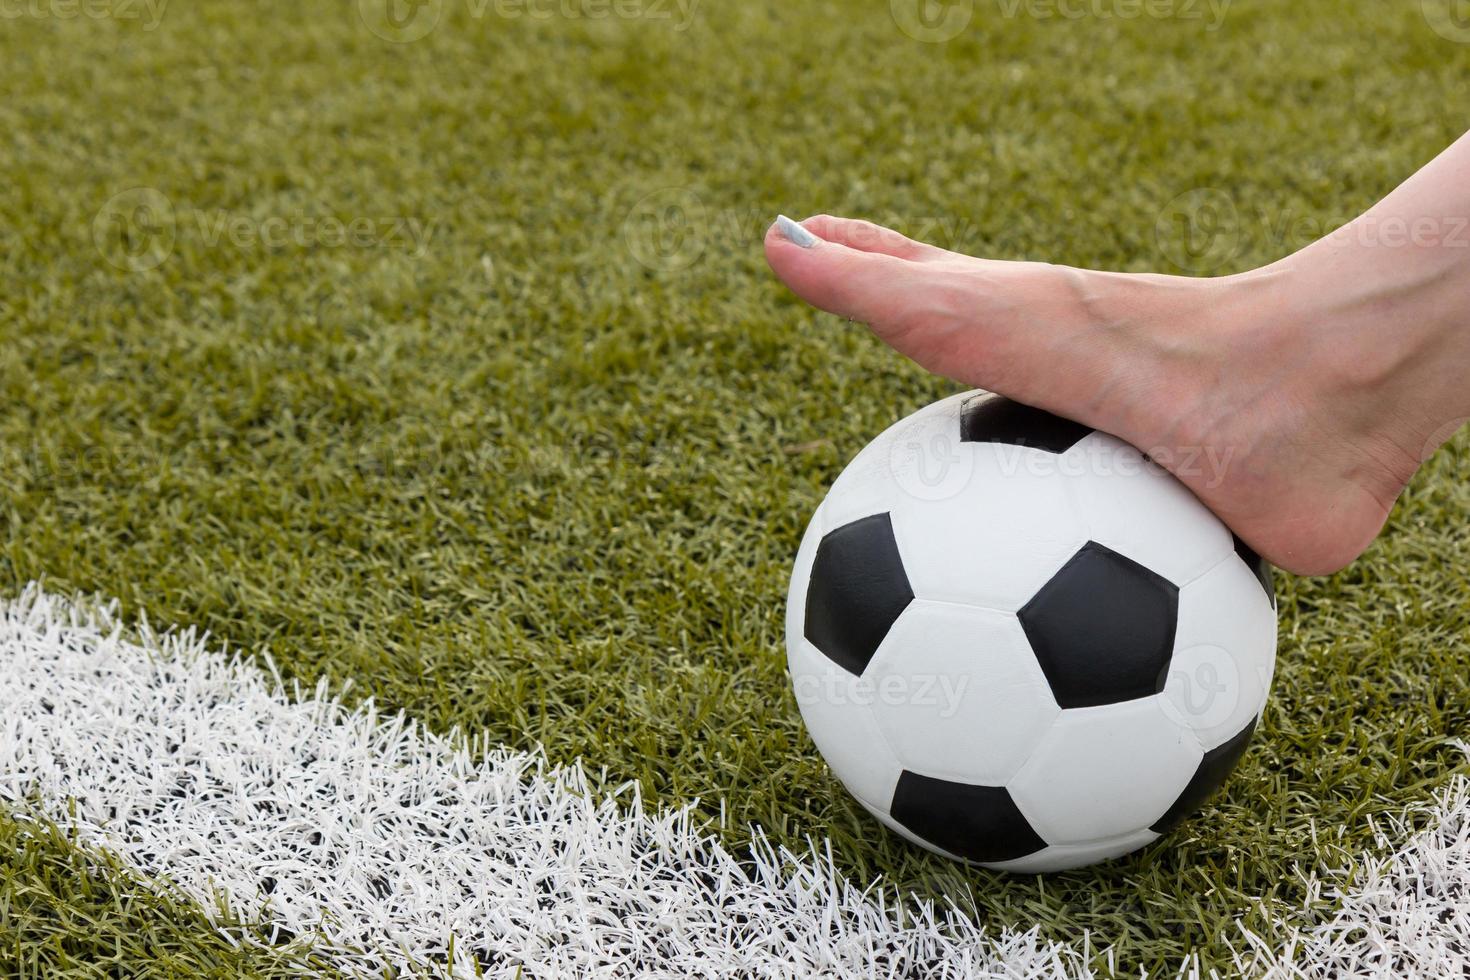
[(1380, 342)]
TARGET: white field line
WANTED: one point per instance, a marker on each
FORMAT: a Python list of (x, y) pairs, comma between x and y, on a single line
[(390, 842), (1406, 915), (387, 841)]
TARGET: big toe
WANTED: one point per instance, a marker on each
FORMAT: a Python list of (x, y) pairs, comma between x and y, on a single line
[(868, 286)]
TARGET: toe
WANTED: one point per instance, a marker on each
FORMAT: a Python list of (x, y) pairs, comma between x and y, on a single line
[(850, 282), (865, 236)]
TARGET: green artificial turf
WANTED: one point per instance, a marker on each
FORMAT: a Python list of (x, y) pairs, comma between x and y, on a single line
[(532, 452), (67, 912)]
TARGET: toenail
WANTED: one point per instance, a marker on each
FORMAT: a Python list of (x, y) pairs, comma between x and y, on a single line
[(795, 233)]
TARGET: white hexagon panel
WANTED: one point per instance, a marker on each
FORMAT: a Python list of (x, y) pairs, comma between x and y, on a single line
[(1224, 653), (838, 714), (958, 694), (978, 507), (1139, 510), (1104, 772)]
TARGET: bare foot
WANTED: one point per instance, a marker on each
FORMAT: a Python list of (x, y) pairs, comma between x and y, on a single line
[(1314, 422)]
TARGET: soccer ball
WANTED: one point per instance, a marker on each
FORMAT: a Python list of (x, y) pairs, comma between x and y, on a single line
[(1021, 642)]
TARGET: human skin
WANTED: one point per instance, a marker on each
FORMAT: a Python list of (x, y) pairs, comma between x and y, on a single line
[(1320, 383)]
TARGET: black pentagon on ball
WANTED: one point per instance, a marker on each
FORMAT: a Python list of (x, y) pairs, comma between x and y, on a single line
[(1213, 770), (978, 823), (991, 418), (1258, 567), (858, 588), (1103, 629)]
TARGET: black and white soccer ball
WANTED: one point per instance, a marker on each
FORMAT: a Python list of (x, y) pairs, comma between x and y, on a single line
[(1020, 642)]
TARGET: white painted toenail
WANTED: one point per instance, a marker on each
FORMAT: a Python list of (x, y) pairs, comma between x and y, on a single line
[(795, 233)]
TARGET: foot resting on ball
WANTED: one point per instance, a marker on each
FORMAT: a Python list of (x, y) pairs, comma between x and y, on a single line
[(1317, 385)]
